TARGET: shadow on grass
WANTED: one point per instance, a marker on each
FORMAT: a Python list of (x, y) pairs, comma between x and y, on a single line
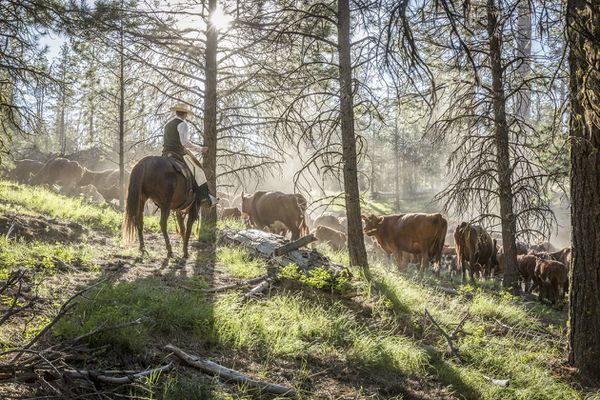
[(447, 374), (135, 318), (383, 289)]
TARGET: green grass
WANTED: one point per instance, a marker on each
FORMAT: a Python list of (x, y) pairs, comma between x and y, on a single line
[(370, 206), (235, 225), (522, 355), (165, 311), (299, 325), (286, 326), (42, 256), (192, 387), (27, 199), (238, 263)]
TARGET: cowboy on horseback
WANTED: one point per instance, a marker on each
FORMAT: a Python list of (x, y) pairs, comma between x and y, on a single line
[(169, 184), (177, 144)]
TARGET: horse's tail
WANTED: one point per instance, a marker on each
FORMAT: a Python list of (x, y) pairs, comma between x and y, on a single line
[(132, 206)]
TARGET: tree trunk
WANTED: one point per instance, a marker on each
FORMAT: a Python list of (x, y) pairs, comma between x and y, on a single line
[(524, 52), (397, 166), (121, 119), (62, 135), (584, 291), (356, 244), (209, 215), (92, 96), (507, 215)]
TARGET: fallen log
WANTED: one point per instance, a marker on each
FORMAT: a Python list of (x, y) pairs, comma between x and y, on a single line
[(225, 288), (280, 252), (229, 374), (296, 244), (116, 380), (261, 287)]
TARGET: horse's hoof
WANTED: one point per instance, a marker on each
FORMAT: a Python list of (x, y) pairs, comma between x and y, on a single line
[(185, 256), (170, 254), (143, 253)]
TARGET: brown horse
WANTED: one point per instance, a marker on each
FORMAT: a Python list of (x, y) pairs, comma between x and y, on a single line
[(156, 178)]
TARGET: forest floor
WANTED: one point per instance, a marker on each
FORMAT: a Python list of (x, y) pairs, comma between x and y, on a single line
[(368, 339)]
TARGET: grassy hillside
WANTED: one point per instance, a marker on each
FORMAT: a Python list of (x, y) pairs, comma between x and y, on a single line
[(40, 201), (369, 339)]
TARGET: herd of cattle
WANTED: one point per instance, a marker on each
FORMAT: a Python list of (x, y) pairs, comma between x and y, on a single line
[(409, 238), (72, 177)]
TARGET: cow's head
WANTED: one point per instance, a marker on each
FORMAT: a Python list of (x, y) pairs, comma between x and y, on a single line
[(371, 224)]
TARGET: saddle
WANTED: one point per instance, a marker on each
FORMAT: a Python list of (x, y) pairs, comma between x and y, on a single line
[(190, 183)]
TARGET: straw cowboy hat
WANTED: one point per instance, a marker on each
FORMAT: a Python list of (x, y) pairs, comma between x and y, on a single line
[(181, 107)]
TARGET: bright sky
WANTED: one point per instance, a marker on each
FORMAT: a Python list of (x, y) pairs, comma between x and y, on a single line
[(53, 41), (220, 18)]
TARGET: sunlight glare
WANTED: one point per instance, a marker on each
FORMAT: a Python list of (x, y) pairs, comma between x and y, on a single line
[(220, 19)]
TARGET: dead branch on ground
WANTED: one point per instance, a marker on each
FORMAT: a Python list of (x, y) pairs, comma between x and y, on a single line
[(452, 349), (229, 374)]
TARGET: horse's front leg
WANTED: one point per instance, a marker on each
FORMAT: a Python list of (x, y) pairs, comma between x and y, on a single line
[(180, 223), (192, 217), (140, 226), (164, 219)]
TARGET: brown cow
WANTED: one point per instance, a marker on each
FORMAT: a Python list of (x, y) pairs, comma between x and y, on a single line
[(264, 208), (421, 234), (526, 264), (302, 202), (522, 249), (24, 170), (107, 182), (551, 276), (278, 228), (59, 171), (475, 250), (449, 258), (335, 239), (563, 256), (330, 221), (91, 194), (231, 213)]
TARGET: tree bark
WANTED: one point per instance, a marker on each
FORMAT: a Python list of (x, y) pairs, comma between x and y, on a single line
[(356, 244), (524, 52), (583, 19), (397, 166), (507, 215), (121, 116), (209, 215), (61, 125), (92, 95)]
